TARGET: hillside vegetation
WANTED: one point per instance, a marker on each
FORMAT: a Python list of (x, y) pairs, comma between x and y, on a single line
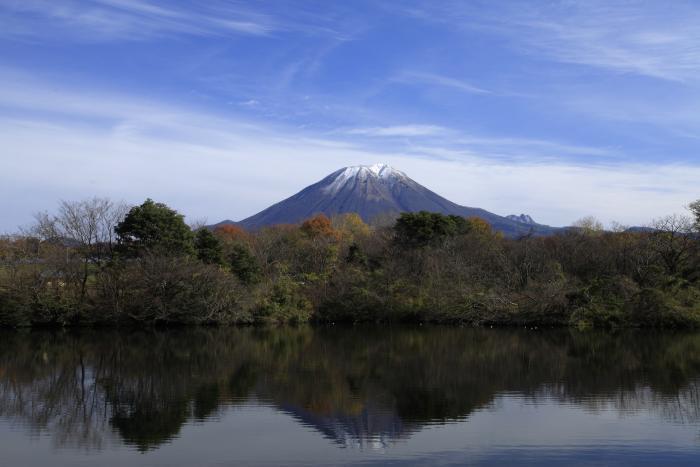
[(95, 262)]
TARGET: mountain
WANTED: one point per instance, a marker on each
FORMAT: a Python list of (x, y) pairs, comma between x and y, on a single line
[(522, 218), (373, 191)]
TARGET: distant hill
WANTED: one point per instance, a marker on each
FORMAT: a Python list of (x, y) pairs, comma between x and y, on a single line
[(372, 192)]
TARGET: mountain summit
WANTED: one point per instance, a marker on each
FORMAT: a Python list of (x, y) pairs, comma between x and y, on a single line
[(523, 218), (371, 191), (364, 174)]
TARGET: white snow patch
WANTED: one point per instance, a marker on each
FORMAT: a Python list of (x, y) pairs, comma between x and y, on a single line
[(361, 172)]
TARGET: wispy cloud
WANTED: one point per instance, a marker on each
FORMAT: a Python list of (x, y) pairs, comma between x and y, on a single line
[(411, 77), (249, 103), (398, 130), (130, 19), (458, 146), (644, 38), (619, 39), (452, 144), (654, 39)]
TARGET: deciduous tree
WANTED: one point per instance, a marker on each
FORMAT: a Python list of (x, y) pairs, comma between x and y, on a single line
[(86, 226), (695, 209), (318, 226)]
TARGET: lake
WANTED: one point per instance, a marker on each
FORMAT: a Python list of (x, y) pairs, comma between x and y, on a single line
[(348, 396)]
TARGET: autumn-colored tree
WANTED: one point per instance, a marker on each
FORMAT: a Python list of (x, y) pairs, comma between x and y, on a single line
[(351, 225), (319, 227), (477, 225), (231, 234)]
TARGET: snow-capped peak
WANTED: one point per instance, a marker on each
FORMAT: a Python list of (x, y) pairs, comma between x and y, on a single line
[(361, 172), (378, 170), (382, 170)]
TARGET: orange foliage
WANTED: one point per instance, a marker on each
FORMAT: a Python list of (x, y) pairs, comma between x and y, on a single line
[(231, 233), (319, 226)]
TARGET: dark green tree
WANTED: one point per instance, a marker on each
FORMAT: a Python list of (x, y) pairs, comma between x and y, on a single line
[(209, 249), (244, 265), (417, 229), (356, 255), (154, 227)]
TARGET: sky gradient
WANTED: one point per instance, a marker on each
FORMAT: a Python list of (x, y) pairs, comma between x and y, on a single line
[(555, 109)]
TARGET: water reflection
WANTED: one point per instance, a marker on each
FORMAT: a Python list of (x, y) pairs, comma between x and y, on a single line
[(358, 387)]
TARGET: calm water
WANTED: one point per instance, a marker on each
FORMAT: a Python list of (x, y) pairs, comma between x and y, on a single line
[(338, 396)]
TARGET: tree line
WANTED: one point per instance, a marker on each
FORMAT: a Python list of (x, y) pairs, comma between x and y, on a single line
[(96, 262)]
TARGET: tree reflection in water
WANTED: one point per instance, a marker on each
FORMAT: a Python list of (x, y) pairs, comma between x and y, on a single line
[(356, 386)]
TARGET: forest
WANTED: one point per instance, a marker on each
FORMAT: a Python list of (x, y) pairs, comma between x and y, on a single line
[(97, 262)]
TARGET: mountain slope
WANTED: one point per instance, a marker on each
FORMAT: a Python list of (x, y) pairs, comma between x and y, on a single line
[(522, 218), (371, 191)]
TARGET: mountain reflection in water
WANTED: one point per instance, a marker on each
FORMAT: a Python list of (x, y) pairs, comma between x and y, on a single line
[(360, 387)]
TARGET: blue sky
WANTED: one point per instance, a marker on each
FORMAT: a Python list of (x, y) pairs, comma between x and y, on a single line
[(220, 108)]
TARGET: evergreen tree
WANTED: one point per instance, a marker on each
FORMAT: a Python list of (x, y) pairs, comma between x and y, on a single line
[(208, 247), (418, 229), (244, 265), (154, 227)]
